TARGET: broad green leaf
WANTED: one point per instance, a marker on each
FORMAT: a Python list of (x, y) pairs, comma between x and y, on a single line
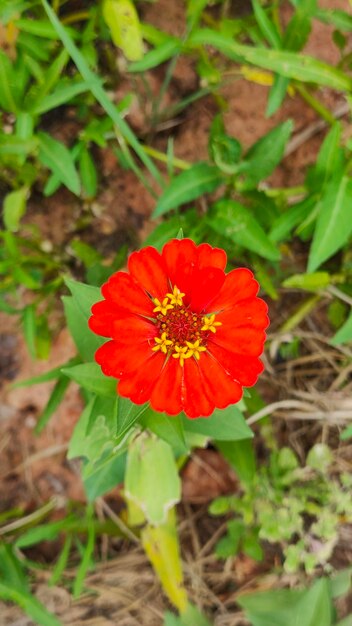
[(90, 376), (309, 282), (334, 223), (105, 474), (150, 463), (84, 295), (11, 569), (289, 607), (123, 22), (99, 93), (223, 425), (95, 431), (77, 441), (231, 219), (262, 158), (86, 341), (170, 429), (54, 155), (344, 334), (14, 208), (290, 64), (155, 57), (240, 455), (201, 178), (127, 414)]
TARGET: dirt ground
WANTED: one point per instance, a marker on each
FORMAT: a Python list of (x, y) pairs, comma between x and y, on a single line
[(34, 469)]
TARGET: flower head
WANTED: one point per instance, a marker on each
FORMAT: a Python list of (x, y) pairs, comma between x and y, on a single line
[(184, 335)]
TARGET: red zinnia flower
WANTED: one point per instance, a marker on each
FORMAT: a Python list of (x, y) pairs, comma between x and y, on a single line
[(185, 336)]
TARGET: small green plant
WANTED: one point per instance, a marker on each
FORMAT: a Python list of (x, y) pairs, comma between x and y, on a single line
[(298, 508)]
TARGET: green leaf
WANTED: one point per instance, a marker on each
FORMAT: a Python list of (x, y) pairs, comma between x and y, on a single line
[(86, 561), (61, 95), (289, 607), (104, 474), (7, 95), (262, 158), (150, 463), (170, 429), (128, 414), (266, 25), (54, 401), (84, 295), (240, 455), (201, 178), (309, 282), (99, 93), (86, 341), (95, 431), (123, 22), (340, 19), (90, 376), (285, 223), (344, 334), (54, 155), (29, 604), (231, 219), (88, 173), (14, 208), (223, 425), (334, 223), (328, 154), (155, 57), (29, 328), (290, 64)]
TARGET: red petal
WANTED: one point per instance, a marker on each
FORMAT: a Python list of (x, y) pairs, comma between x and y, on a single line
[(102, 320), (207, 283), (117, 359), (251, 312), (219, 385), (243, 340), (166, 395), (122, 290), (138, 385), (239, 285), (180, 256), (211, 257), (133, 329), (244, 369), (196, 402), (148, 269)]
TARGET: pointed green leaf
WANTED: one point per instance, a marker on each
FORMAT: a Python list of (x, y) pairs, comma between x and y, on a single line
[(344, 334), (231, 219), (54, 155), (14, 208), (201, 178), (223, 425), (90, 376), (334, 223)]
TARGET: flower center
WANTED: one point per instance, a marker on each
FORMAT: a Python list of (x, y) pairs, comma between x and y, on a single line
[(183, 333)]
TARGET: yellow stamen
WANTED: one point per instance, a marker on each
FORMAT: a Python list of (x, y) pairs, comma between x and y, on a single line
[(195, 349), (210, 324), (182, 354), (162, 306), (176, 296), (162, 343)]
